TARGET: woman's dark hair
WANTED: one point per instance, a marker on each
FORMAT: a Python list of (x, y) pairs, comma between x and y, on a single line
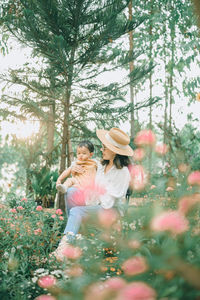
[(87, 144), (119, 161)]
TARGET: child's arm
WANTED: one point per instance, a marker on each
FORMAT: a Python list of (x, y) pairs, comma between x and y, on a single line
[(63, 175)]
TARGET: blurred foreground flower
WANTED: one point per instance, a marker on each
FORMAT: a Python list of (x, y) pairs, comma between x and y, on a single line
[(139, 177), (145, 138), (161, 149), (138, 154), (74, 271), (45, 297), (107, 217), (115, 283), (194, 178), (88, 194), (137, 291), (186, 203), (71, 252), (172, 221), (46, 282), (135, 265)]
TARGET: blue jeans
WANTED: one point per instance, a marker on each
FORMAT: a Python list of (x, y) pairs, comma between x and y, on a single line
[(76, 213)]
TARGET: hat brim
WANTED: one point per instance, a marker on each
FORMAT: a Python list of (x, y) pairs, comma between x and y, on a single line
[(101, 134)]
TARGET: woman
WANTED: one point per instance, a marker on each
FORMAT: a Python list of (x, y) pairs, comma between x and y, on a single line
[(112, 174)]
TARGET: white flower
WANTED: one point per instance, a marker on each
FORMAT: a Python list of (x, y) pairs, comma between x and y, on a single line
[(34, 279)]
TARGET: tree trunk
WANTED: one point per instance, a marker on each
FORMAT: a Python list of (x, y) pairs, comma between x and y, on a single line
[(131, 67), (150, 85), (166, 93), (197, 10), (50, 133), (171, 75)]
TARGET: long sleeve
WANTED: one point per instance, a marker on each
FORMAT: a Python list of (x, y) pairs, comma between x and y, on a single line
[(115, 182)]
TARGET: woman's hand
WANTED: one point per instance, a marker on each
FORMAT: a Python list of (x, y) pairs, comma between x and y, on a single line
[(77, 169), (58, 182)]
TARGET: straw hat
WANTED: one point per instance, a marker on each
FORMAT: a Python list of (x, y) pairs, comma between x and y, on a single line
[(115, 140)]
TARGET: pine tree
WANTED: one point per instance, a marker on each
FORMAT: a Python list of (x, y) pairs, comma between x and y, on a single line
[(73, 36)]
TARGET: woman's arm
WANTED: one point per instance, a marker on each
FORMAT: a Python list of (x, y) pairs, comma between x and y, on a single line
[(63, 175)]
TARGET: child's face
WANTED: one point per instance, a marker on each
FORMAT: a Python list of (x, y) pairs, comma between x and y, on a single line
[(83, 153)]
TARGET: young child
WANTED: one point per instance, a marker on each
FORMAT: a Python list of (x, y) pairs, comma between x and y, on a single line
[(84, 152)]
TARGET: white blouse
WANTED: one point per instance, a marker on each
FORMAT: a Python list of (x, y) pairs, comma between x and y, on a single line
[(115, 181)]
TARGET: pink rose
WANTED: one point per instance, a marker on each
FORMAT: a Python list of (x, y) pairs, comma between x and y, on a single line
[(145, 138), (137, 291), (186, 203), (47, 281), (13, 210), (72, 252), (135, 265), (59, 211), (45, 297), (139, 177), (172, 221), (138, 154), (24, 199), (134, 244), (39, 208), (161, 149), (194, 178), (20, 207), (115, 283), (107, 217), (53, 216)]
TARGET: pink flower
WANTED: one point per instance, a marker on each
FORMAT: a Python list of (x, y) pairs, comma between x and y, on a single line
[(186, 203), (137, 291), (107, 217), (145, 138), (88, 194), (72, 252), (135, 265), (37, 231), (92, 193), (47, 281), (59, 211), (96, 291), (13, 210), (169, 189), (53, 216), (194, 178), (39, 208), (161, 149), (134, 244), (61, 218), (45, 297), (172, 221), (20, 207), (24, 199), (152, 187), (115, 283), (138, 154), (139, 177)]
